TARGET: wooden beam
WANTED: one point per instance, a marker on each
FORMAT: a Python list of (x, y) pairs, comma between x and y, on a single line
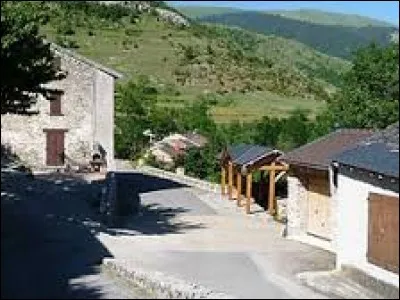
[(223, 180), (230, 171), (280, 175), (239, 188), (274, 167), (248, 192), (271, 197)]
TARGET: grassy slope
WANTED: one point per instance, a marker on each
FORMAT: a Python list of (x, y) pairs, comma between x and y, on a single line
[(157, 55), (307, 15)]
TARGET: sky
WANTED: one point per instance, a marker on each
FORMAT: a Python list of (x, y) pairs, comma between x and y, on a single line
[(382, 10)]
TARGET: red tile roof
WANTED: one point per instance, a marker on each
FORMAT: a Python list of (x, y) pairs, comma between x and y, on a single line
[(318, 154)]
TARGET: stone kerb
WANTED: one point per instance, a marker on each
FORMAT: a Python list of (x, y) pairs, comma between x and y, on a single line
[(162, 286), (184, 179)]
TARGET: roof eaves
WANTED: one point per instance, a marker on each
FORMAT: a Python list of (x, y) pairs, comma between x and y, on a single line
[(90, 62)]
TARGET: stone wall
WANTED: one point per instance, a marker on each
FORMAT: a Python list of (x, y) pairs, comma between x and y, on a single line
[(296, 207), (24, 134)]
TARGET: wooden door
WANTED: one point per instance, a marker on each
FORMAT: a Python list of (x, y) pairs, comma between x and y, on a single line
[(55, 147), (319, 208), (383, 231)]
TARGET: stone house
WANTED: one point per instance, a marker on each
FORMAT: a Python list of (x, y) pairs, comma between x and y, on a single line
[(310, 207), (73, 127), (366, 190), (175, 145)]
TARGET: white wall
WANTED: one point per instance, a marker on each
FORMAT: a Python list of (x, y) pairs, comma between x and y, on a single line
[(352, 216), (104, 115)]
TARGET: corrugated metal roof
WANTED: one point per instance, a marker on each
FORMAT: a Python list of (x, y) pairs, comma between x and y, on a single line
[(319, 153), (378, 153)]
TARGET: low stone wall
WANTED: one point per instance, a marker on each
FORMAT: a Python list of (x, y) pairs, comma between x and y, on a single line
[(160, 285), (204, 185), (190, 181)]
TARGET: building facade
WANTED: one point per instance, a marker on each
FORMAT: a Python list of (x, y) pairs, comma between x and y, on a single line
[(77, 123)]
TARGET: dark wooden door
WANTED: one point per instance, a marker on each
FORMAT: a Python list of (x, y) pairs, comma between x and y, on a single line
[(383, 232), (55, 147)]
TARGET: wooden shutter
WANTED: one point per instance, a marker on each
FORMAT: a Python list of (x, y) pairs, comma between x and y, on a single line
[(383, 232), (55, 104)]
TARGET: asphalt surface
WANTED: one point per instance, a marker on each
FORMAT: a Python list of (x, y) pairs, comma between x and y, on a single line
[(48, 244)]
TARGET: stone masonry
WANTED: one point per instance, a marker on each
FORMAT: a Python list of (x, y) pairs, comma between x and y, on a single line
[(87, 115), (296, 207)]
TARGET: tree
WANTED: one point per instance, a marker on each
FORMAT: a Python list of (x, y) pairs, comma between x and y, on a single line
[(26, 59), (370, 95), (295, 130), (202, 163), (135, 102)]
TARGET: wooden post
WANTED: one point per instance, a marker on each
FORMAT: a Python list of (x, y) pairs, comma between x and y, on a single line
[(248, 192), (239, 188), (223, 180), (271, 197), (230, 169)]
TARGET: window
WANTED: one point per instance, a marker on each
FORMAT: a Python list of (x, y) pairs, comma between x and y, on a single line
[(55, 104)]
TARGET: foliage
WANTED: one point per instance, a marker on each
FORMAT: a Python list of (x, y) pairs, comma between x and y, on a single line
[(306, 15), (26, 58), (334, 40), (135, 101), (202, 163), (370, 95)]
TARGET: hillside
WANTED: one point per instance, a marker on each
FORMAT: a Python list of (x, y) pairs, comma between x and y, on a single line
[(246, 75), (201, 11), (330, 18), (339, 41), (307, 15)]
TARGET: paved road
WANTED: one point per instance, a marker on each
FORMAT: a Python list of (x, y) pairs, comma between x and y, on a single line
[(48, 244), (52, 243), (199, 237)]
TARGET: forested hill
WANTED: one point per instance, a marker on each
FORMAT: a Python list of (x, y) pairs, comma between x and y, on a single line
[(334, 40), (314, 16)]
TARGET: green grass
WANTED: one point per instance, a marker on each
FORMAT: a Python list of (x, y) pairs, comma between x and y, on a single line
[(258, 104), (152, 48)]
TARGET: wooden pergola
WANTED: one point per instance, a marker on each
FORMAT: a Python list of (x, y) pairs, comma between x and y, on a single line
[(243, 160)]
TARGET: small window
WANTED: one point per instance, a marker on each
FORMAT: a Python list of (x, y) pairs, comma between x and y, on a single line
[(55, 104)]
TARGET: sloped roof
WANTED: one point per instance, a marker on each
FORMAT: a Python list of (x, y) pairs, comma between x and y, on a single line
[(378, 153), (244, 154), (319, 153), (195, 138), (83, 59)]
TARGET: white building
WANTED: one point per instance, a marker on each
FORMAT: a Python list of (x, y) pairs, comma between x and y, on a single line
[(366, 190)]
